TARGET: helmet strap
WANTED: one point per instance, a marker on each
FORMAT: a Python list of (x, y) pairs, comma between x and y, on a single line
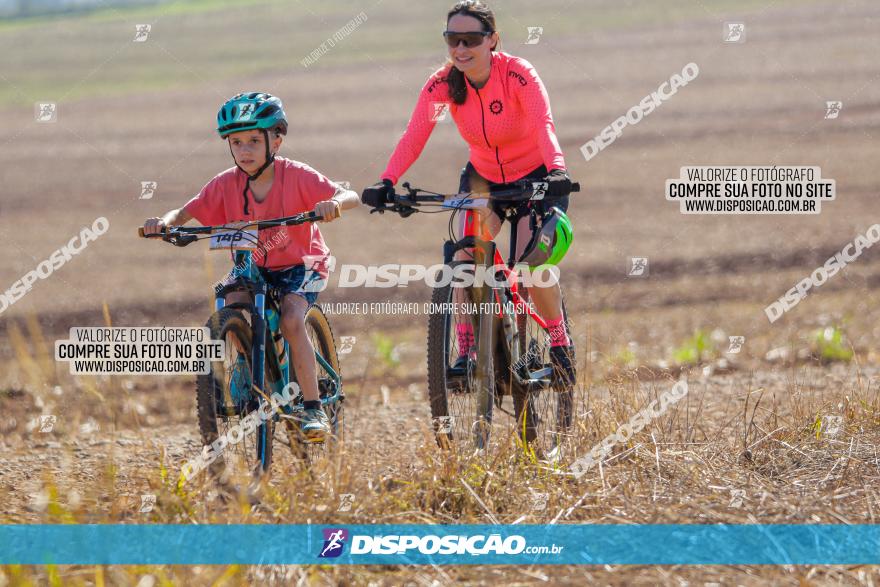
[(270, 158)]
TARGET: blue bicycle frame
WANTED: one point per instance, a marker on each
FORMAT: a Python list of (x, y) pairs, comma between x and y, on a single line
[(247, 270)]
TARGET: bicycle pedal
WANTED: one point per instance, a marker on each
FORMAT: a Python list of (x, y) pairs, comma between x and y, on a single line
[(535, 385), (319, 438)]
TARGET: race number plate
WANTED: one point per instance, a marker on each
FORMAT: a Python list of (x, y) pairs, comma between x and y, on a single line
[(234, 239)]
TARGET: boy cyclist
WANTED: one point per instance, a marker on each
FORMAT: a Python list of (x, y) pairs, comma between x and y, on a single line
[(262, 186)]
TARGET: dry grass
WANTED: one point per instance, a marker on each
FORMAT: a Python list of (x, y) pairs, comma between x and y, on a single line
[(742, 447)]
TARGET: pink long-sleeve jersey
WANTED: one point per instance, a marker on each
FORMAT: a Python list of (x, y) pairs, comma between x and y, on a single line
[(507, 123)]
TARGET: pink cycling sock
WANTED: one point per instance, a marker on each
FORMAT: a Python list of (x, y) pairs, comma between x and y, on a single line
[(558, 332), (465, 332)]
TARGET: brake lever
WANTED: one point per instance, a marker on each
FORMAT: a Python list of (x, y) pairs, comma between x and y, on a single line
[(404, 211), (180, 240)]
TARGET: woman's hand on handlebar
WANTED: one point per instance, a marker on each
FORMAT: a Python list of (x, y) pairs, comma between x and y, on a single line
[(559, 183), (378, 194)]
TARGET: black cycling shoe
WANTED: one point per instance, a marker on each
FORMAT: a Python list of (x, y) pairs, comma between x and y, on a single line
[(460, 383), (461, 363), (564, 374)]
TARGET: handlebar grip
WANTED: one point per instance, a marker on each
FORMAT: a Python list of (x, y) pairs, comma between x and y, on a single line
[(576, 187), (162, 232)]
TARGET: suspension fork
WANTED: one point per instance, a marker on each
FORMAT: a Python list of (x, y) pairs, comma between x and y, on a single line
[(258, 371), (509, 321), (484, 255)]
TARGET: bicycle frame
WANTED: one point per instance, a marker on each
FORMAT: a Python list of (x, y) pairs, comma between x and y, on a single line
[(259, 313), (251, 275), (535, 380), (521, 306)]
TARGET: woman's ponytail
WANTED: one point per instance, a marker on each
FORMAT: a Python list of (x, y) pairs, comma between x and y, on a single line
[(456, 83)]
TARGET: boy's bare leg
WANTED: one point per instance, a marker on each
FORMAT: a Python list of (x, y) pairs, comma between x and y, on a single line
[(293, 312), (293, 328)]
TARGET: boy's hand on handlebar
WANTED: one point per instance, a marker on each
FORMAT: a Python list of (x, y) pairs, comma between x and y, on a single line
[(378, 194), (329, 210), (559, 183), (154, 226)]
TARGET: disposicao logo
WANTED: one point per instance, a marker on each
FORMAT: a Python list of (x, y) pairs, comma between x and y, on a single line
[(334, 542)]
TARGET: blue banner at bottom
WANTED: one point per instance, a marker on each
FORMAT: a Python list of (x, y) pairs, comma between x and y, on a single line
[(440, 544)]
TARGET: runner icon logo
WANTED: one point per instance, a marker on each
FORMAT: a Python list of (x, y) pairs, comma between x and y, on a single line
[(334, 542)]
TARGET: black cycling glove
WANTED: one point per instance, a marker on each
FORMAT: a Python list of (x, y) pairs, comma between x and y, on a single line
[(377, 195), (559, 183)]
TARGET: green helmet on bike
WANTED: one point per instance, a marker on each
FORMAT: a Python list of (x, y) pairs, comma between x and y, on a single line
[(251, 111), (549, 245)]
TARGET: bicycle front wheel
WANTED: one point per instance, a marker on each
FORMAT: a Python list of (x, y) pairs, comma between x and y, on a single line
[(455, 387), (225, 398)]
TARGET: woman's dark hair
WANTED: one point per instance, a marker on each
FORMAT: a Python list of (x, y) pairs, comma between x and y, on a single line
[(455, 78)]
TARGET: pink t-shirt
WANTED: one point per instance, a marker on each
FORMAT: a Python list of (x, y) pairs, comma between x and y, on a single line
[(507, 123), (296, 188)]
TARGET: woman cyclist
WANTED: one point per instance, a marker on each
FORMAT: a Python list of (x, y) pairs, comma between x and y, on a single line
[(502, 111)]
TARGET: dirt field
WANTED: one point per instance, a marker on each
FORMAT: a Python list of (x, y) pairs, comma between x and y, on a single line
[(748, 445)]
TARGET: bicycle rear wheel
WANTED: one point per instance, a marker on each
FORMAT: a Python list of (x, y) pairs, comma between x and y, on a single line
[(544, 416)]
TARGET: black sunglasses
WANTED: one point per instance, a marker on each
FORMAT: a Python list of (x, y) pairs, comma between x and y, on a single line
[(470, 40)]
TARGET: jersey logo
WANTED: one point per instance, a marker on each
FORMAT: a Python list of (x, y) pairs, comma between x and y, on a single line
[(495, 107), (435, 83), (520, 78)]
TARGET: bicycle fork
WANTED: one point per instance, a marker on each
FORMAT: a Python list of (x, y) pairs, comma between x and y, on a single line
[(258, 327), (485, 375), (258, 371)]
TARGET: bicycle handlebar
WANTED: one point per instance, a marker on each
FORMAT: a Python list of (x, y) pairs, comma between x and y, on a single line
[(405, 203), (184, 235)]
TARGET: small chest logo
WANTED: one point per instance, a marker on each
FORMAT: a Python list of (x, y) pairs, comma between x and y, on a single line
[(495, 107)]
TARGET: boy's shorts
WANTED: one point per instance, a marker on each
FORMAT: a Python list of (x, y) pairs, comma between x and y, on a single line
[(295, 280)]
